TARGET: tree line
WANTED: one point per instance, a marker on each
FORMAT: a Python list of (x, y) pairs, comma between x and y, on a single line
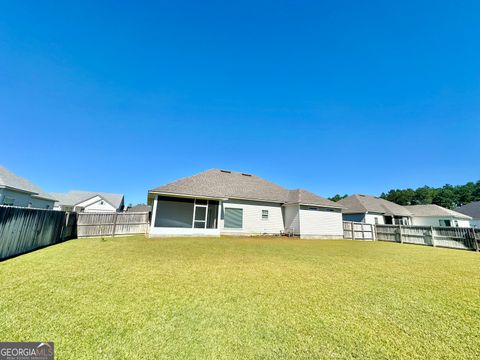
[(449, 196)]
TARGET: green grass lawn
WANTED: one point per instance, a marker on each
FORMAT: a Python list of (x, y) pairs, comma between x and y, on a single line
[(251, 298)]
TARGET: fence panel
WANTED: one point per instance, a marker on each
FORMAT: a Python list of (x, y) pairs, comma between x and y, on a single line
[(388, 233), (450, 237), (111, 224), (26, 229), (357, 231)]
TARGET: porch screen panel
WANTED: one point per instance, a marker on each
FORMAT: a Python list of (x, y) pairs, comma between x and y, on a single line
[(174, 212), (212, 216), (233, 218)]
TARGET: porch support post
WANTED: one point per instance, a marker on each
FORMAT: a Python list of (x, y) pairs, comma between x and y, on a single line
[(154, 212)]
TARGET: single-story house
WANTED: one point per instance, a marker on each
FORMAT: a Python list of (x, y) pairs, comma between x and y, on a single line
[(473, 210), (89, 201), (18, 191), (434, 215), (374, 210), (222, 202)]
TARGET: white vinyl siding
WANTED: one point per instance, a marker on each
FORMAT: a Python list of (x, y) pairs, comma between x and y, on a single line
[(435, 221), (321, 223), (253, 224), (370, 219)]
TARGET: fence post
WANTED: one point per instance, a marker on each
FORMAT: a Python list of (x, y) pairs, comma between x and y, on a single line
[(432, 233), (401, 235), (374, 231), (114, 223), (353, 231), (475, 242)]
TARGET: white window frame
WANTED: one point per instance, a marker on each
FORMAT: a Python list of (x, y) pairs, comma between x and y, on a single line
[(195, 206), (265, 215)]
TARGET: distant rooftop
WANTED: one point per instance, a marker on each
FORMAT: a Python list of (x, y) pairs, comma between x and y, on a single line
[(10, 180), (435, 210), (74, 197), (359, 203), (472, 209)]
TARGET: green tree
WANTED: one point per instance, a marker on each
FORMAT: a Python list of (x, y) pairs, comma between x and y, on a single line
[(338, 197)]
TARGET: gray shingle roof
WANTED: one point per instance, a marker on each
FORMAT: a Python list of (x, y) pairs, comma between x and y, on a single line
[(472, 209), (434, 210), (10, 180), (231, 184), (358, 203), (300, 196), (75, 197)]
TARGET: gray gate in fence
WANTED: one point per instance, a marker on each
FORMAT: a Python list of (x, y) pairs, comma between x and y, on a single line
[(450, 237), (358, 231), (111, 224)]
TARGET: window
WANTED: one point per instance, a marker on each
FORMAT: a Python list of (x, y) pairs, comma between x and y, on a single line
[(233, 218), (445, 223), (264, 214), (376, 220), (455, 222), (8, 201)]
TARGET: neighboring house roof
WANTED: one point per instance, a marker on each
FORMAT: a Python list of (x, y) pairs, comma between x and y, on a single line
[(472, 209), (139, 208), (76, 197), (358, 203), (9, 180), (432, 210), (216, 183)]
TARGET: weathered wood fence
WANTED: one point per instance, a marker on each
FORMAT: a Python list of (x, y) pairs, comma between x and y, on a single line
[(111, 224), (450, 237), (358, 231), (25, 229)]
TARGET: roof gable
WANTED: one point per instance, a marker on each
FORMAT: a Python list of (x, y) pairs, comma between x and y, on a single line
[(75, 197)]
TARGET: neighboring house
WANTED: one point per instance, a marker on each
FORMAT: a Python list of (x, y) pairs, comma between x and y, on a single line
[(473, 210), (139, 208), (221, 202), (434, 215), (18, 191), (89, 201), (374, 210)]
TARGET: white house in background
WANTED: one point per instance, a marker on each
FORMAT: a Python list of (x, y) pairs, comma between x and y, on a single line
[(89, 201), (222, 202), (18, 191), (473, 210), (434, 215), (374, 210)]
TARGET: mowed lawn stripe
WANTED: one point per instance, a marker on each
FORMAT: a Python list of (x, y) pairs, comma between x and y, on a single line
[(243, 298)]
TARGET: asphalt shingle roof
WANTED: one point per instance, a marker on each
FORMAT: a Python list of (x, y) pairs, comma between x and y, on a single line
[(472, 209), (434, 210), (75, 197), (218, 183), (10, 180), (358, 203)]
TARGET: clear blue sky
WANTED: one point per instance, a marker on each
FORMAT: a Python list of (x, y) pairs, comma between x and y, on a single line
[(331, 96)]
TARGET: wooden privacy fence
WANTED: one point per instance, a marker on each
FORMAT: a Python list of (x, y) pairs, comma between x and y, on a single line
[(450, 237), (111, 224), (358, 231), (26, 229)]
